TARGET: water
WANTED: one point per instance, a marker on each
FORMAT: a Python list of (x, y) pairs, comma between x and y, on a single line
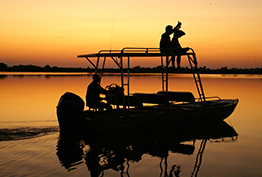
[(28, 121)]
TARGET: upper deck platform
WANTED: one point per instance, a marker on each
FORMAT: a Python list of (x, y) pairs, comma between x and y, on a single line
[(138, 52)]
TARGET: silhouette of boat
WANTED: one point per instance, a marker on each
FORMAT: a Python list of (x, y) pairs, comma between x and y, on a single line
[(103, 152), (141, 110)]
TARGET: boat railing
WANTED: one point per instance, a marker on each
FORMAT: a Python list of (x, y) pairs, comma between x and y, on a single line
[(213, 97), (108, 51), (140, 50), (208, 98), (156, 51)]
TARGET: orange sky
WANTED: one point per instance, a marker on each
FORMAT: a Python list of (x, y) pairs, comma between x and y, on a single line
[(54, 32)]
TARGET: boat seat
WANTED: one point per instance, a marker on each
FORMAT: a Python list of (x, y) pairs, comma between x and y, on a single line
[(152, 98), (133, 101), (178, 96)]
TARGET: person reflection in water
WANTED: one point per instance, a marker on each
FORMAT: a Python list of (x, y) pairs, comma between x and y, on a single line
[(176, 47), (93, 92), (92, 162), (165, 43)]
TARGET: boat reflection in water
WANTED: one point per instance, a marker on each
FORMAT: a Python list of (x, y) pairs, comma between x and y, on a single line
[(116, 151)]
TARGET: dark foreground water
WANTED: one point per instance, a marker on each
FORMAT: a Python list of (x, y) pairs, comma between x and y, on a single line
[(30, 146)]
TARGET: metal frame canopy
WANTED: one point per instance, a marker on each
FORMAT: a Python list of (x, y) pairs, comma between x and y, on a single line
[(121, 57)]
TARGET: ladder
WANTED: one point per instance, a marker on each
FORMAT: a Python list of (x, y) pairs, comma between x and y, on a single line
[(194, 68)]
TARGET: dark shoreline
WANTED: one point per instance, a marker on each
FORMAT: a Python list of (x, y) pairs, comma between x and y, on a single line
[(137, 69), (138, 72)]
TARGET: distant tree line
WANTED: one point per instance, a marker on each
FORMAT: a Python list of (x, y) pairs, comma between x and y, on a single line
[(34, 68), (137, 69)]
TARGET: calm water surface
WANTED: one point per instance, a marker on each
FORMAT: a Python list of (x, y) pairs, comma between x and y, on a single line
[(28, 104)]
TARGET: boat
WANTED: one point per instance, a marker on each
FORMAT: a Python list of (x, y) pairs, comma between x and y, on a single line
[(141, 110)]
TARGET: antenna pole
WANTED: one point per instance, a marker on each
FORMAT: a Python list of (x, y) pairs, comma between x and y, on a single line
[(112, 32)]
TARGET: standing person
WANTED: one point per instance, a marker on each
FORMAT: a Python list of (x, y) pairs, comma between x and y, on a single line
[(175, 45), (165, 44), (93, 92)]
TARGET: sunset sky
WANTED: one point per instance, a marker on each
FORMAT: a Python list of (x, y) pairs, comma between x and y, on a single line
[(53, 32)]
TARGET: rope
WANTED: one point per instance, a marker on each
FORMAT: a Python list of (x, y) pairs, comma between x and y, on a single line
[(48, 119)]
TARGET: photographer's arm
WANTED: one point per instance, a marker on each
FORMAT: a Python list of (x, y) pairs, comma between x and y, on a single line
[(177, 27)]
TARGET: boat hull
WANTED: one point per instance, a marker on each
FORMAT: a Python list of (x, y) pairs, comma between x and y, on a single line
[(181, 116)]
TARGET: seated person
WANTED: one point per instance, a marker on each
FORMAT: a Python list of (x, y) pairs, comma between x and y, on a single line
[(175, 45), (93, 92)]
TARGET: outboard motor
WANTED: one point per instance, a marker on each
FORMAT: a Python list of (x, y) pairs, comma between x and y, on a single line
[(70, 107)]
